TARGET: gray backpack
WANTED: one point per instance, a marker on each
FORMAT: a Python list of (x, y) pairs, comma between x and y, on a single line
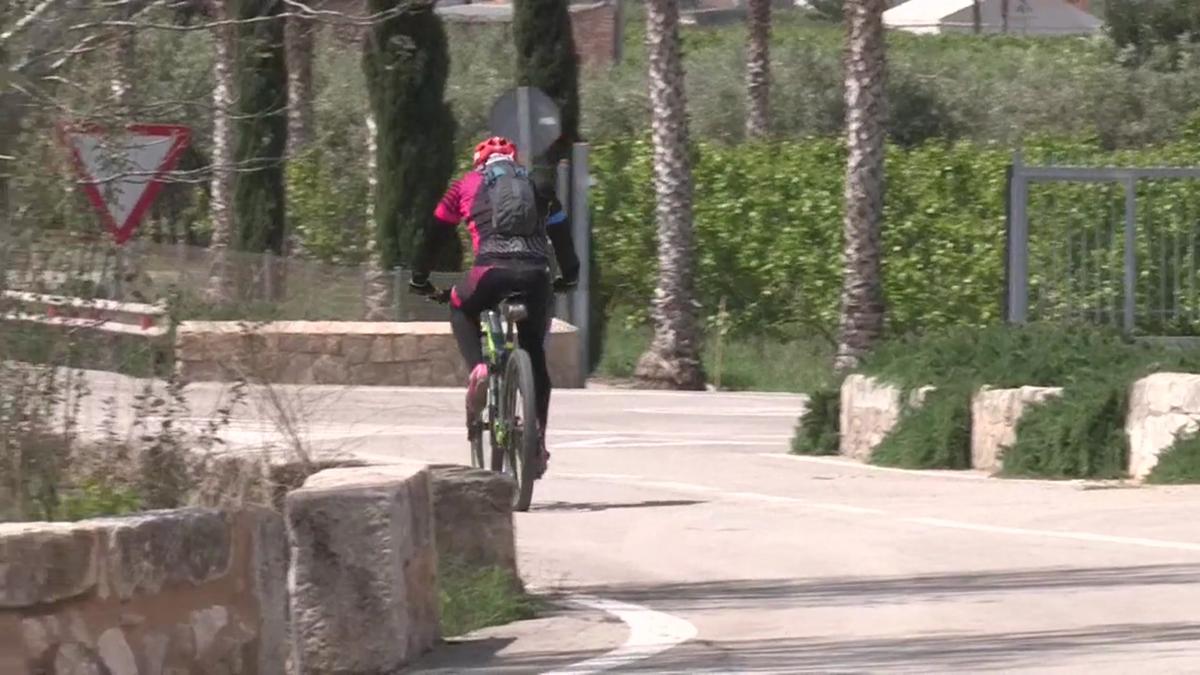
[(511, 197)]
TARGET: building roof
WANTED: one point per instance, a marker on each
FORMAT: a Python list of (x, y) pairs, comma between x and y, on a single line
[(1025, 16)]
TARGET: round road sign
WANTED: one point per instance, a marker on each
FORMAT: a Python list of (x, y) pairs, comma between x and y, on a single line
[(545, 126)]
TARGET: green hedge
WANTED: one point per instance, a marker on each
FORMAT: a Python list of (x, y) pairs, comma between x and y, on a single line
[(768, 220)]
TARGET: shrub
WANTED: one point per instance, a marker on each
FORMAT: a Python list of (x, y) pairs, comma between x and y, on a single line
[(768, 221), (1179, 463), (1080, 435), (817, 431)]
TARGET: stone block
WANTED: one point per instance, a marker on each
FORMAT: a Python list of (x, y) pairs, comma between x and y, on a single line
[(1162, 407), (356, 349), (268, 583), (995, 414), (363, 569), (870, 410), (381, 349), (42, 563), (330, 370), (473, 516), (149, 552), (406, 348)]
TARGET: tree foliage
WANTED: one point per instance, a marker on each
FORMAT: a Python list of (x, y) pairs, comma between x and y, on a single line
[(546, 59), (406, 63), (260, 126)]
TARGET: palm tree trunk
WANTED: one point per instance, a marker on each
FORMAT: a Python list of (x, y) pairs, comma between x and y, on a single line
[(862, 310), (220, 280), (758, 69), (301, 45), (977, 16), (377, 282), (673, 359)]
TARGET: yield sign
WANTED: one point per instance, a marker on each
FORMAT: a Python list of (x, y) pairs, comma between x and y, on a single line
[(123, 172)]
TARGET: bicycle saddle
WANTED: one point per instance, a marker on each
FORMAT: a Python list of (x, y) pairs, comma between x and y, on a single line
[(513, 307)]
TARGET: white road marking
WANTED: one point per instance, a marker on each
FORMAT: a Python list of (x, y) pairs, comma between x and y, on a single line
[(957, 474), (628, 442), (1067, 535), (769, 412), (650, 633)]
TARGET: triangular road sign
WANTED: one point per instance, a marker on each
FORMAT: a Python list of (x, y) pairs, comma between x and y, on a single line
[(123, 171)]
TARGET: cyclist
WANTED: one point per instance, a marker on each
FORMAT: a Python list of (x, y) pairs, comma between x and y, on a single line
[(512, 223)]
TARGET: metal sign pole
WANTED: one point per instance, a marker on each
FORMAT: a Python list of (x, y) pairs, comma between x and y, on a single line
[(525, 127), (581, 178), (563, 189)]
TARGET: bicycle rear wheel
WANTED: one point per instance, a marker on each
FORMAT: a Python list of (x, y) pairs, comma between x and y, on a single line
[(523, 435)]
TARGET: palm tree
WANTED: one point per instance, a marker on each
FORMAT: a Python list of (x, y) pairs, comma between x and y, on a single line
[(862, 308), (758, 69), (673, 359)]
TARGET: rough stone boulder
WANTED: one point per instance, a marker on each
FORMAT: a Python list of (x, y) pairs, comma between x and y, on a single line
[(364, 564), (1162, 407), (473, 516), (995, 414), (870, 410)]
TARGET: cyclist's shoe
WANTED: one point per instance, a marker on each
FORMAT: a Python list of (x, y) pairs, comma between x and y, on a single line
[(543, 459), (477, 391)]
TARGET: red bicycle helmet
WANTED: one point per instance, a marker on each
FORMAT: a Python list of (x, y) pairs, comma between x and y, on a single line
[(496, 145)]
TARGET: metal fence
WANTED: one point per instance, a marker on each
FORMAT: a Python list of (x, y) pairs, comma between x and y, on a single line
[(258, 285), (1106, 245)]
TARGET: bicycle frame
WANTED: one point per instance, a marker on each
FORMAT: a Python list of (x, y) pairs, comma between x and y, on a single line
[(499, 341)]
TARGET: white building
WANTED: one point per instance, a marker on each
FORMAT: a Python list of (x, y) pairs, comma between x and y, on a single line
[(1025, 17)]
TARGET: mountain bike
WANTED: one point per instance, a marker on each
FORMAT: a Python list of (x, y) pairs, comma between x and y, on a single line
[(509, 420)]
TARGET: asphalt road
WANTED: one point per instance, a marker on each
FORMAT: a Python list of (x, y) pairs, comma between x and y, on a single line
[(676, 535)]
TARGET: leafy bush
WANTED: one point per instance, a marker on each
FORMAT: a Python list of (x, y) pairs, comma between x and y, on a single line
[(958, 361), (1142, 26), (1178, 464), (1082, 434), (817, 431), (934, 435)]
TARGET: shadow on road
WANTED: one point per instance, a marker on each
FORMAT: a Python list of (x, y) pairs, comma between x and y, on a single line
[(609, 506), (849, 591)]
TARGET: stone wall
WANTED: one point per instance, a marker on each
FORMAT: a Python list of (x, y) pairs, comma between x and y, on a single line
[(363, 581), (869, 411), (1161, 407), (345, 353), (186, 591), (994, 417)]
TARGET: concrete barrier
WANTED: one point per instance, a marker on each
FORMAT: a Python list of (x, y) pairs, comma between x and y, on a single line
[(995, 414), (363, 580), (411, 353), (1162, 407), (870, 410), (189, 590)]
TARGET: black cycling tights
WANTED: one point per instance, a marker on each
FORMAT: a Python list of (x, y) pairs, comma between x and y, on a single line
[(485, 287)]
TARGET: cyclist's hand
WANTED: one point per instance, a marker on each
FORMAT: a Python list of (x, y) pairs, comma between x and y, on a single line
[(424, 288), (561, 285)]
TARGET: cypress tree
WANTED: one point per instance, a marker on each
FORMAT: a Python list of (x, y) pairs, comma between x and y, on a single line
[(260, 127), (406, 61), (546, 59)]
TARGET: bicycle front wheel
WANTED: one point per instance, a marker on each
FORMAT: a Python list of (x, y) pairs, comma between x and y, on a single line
[(523, 437)]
